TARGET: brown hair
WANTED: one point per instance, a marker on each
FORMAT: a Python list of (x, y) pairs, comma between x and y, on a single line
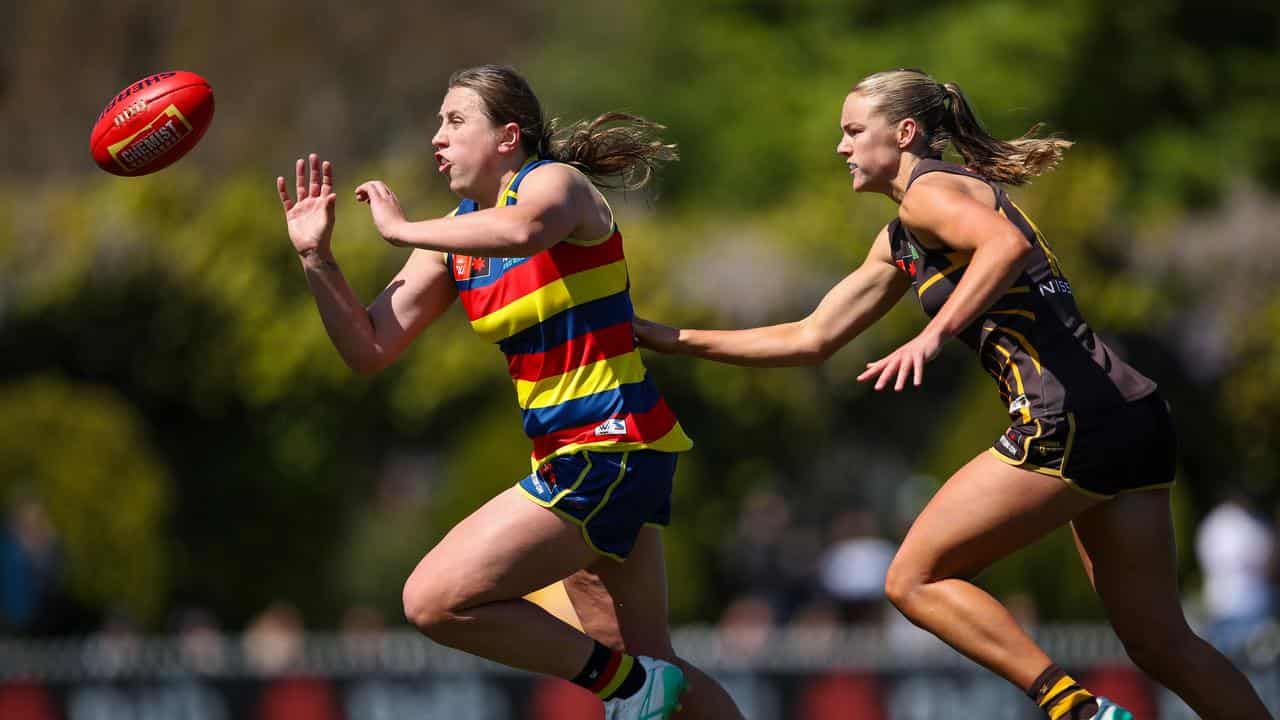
[(946, 117), (625, 155)]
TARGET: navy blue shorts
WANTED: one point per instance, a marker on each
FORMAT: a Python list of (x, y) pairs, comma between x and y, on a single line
[(611, 495)]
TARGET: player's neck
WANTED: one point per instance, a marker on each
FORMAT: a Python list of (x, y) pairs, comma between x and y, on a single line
[(898, 186), (508, 168)]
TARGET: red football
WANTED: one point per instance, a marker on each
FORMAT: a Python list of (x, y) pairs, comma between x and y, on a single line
[(153, 122)]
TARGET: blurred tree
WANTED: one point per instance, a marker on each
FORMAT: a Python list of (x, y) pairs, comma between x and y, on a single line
[(174, 300), (84, 454)]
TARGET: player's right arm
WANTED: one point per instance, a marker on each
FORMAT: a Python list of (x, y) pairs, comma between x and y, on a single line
[(367, 338), (853, 305)]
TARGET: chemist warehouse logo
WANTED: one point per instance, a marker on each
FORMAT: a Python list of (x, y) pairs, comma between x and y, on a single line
[(155, 139)]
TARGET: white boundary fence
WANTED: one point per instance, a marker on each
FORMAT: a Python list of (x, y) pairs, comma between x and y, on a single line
[(401, 675)]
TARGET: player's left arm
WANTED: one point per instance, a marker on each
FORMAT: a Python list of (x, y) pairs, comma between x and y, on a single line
[(554, 203), (943, 211), (938, 209)]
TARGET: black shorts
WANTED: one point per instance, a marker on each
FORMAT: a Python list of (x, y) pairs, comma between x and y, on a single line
[(1103, 452)]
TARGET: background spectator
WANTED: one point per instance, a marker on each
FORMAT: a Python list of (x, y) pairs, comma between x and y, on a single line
[(1236, 548)]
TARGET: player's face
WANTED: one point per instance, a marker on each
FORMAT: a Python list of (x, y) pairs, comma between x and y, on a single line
[(868, 144), (467, 141)]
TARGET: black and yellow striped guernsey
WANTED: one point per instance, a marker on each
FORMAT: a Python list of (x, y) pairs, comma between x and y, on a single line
[(1033, 340)]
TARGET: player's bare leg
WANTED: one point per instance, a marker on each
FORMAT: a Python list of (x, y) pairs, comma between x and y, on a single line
[(468, 591), (1127, 546), (984, 512), (624, 606)]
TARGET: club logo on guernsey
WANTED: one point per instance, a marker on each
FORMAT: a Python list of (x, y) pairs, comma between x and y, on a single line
[(612, 426), (908, 264), (466, 267)]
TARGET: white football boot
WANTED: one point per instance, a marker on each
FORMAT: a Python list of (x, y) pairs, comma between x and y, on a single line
[(656, 699), (1108, 710)]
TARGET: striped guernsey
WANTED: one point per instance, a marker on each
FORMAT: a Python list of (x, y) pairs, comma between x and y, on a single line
[(563, 319)]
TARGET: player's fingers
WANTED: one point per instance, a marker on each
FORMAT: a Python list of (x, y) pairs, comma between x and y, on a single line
[(919, 370), (872, 368), (314, 189), (284, 194), (326, 178), (886, 371), (300, 173), (903, 371)]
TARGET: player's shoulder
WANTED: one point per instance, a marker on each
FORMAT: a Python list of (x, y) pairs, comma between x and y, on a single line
[(560, 184), (939, 181), (553, 174), (942, 192)]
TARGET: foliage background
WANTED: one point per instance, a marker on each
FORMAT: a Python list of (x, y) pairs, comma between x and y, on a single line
[(168, 392)]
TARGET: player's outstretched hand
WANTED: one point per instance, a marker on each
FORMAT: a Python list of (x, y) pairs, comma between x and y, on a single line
[(656, 336), (309, 217), (907, 361), (388, 217)]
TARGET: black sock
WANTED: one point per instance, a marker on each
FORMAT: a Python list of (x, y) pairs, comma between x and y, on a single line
[(611, 674)]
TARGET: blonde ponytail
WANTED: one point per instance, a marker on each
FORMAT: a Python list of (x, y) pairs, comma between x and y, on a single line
[(946, 117)]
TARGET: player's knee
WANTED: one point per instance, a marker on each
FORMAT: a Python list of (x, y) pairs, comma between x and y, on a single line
[(1157, 646)]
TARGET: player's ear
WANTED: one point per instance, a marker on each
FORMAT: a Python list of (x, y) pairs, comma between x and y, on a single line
[(508, 138), (908, 129)]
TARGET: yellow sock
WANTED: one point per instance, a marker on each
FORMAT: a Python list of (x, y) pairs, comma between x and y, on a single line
[(1061, 697)]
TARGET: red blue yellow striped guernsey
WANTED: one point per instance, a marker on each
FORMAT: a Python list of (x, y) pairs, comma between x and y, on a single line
[(563, 319)]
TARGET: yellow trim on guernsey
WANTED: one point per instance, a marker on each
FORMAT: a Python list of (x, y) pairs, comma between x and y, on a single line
[(552, 298), (1017, 377), (1054, 267), (1025, 343), (955, 259), (674, 441), (1022, 313), (582, 381)]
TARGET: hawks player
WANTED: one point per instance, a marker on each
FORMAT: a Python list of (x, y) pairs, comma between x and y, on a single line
[(1090, 442)]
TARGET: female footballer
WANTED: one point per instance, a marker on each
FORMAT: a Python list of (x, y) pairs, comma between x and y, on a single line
[(1090, 442), (534, 254)]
